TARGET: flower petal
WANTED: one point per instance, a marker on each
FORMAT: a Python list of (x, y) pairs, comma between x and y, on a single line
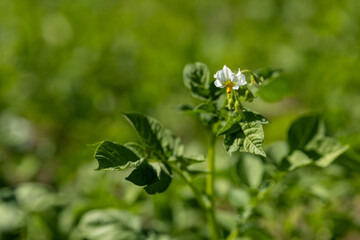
[(227, 72), (241, 80), (220, 76), (218, 84)]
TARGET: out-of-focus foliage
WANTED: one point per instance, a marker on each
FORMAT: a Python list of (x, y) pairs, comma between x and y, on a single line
[(69, 68)]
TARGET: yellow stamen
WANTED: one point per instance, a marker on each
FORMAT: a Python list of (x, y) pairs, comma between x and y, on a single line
[(229, 85)]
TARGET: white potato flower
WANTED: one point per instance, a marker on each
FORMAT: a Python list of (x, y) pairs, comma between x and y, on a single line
[(226, 78)]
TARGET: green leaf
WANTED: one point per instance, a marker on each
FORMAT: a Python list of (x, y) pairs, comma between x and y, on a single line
[(204, 112), (164, 175), (274, 89), (15, 218), (137, 149), (298, 159), (156, 176), (108, 224), (255, 232), (250, 170), (254, 137), (303, 130), (328, 148), (251, 116), (113, 156), (197, 79), (248, 139), (233, 141), (277, 152), (143, 175), (153, 136), (234, 118), (232, 124), (266, 73), (196, 73)]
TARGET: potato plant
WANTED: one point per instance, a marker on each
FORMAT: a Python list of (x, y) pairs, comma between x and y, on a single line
[(159, 156)]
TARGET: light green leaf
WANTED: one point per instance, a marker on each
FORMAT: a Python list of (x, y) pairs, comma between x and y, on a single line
[(113, 156), (329, 149), (277, 151), (274, 89), (298, 159), (250, 170), (34, 197), (15, 217), (248, 139), (254, 137), (153, 136), (108, 224)]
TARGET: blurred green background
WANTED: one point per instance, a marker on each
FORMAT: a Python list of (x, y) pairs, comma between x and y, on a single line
[(69, 68)]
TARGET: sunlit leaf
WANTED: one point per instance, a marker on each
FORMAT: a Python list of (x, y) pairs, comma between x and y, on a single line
[(328, 148), (250, 170), (298, 159)]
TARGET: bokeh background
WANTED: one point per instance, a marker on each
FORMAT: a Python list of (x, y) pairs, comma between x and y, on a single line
[(69, 68)]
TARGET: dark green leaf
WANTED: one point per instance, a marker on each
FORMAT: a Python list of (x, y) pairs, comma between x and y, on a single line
[(303, 130), (113, 156), (232, 124), (275, 89), (251, 116), (196, 74), (233, 141), (136, 148), (156, 176), (153, 136), (234, 118), (143, 175), (197, 79), (266, 73), (164, 181)]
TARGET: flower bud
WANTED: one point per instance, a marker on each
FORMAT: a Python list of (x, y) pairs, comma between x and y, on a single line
[(249, 96), (237, 106), (230, 103)]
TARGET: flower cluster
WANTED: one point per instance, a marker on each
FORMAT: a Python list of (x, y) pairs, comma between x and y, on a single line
[(226, 78)]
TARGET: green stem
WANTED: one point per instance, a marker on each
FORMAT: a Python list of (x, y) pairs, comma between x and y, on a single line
[(246, 71), (210, 190)]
